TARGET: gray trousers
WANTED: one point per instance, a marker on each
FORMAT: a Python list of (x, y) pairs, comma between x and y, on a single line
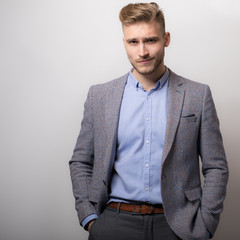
[(114, 225)]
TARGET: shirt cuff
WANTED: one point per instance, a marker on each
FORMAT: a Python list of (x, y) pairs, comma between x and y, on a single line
[(88, 219)]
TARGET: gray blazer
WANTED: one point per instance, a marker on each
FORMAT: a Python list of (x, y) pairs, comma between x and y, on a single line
[(192, 131)]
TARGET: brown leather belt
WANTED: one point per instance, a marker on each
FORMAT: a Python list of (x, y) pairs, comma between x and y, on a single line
[(141, 209)]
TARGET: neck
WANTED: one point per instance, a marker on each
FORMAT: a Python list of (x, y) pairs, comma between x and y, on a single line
[(148, 81)]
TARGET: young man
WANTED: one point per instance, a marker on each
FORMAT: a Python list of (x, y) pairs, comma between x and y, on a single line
[(135, 168)]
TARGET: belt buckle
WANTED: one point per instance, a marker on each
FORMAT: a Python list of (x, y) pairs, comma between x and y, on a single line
[(145, 209)]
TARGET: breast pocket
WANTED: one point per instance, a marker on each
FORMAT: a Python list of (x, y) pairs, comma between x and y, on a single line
[(188, 119), (187, 131)]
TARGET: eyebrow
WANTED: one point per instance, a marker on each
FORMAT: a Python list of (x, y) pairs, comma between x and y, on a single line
[(145, 39)]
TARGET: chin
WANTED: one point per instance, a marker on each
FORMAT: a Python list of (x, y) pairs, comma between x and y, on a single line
[(145, 71)]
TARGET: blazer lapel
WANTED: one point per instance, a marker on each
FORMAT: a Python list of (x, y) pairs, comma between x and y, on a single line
[(114, 99), (175, 103)]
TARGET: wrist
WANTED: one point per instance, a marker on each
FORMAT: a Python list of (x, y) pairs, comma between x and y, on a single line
[(89, 225)]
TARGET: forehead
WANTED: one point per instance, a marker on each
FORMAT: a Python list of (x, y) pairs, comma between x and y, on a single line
[(142, 30)]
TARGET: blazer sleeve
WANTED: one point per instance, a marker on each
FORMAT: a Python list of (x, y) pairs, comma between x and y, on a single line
[(214, 164), (81, 163)]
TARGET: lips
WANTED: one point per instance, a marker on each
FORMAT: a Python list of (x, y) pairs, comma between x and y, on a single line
[(144, 61)]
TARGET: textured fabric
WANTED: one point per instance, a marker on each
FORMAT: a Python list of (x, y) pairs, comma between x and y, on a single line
[(126, 226), (140, 140), (192, 131)]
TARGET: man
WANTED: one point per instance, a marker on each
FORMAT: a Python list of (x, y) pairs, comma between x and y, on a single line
[(135, 168)]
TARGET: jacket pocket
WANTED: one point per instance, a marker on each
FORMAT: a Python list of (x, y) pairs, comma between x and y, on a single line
[(188, 119), (93, 195), (193, 194)]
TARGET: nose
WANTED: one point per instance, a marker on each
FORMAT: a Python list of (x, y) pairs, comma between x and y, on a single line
[(143, 52)]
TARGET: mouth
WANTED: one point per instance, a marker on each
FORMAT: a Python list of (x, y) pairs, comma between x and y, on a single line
[(145, 61)]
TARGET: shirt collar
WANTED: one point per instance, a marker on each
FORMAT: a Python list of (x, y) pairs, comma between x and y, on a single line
[(159, 84)]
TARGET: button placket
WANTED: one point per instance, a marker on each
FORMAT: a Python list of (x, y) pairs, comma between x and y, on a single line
[(147, 147)]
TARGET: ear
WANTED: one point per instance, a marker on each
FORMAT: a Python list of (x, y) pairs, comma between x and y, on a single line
[(167, 39)]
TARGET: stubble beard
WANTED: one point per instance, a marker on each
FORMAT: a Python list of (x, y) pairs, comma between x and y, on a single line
[(150, 69)]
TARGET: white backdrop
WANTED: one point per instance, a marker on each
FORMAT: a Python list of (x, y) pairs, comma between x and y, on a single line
[(51, 51)]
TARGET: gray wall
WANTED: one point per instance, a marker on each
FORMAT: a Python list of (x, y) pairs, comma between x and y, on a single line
[(51, 51)]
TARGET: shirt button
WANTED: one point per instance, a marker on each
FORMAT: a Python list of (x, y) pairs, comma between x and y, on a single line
[(147, 165), (148, 119), (146, 189), (147, 141)]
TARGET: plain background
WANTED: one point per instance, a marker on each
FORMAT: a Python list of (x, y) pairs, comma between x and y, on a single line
[(51, 51)]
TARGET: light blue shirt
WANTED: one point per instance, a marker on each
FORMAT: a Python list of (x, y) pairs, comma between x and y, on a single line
[(140, 141)]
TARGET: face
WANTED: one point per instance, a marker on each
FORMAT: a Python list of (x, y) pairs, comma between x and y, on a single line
[(145, 44)]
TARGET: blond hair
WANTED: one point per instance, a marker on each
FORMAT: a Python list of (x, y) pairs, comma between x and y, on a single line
[(142, 12)]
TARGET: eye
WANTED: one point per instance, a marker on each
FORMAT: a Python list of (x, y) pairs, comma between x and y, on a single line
[(133, 42), (151, 40)]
